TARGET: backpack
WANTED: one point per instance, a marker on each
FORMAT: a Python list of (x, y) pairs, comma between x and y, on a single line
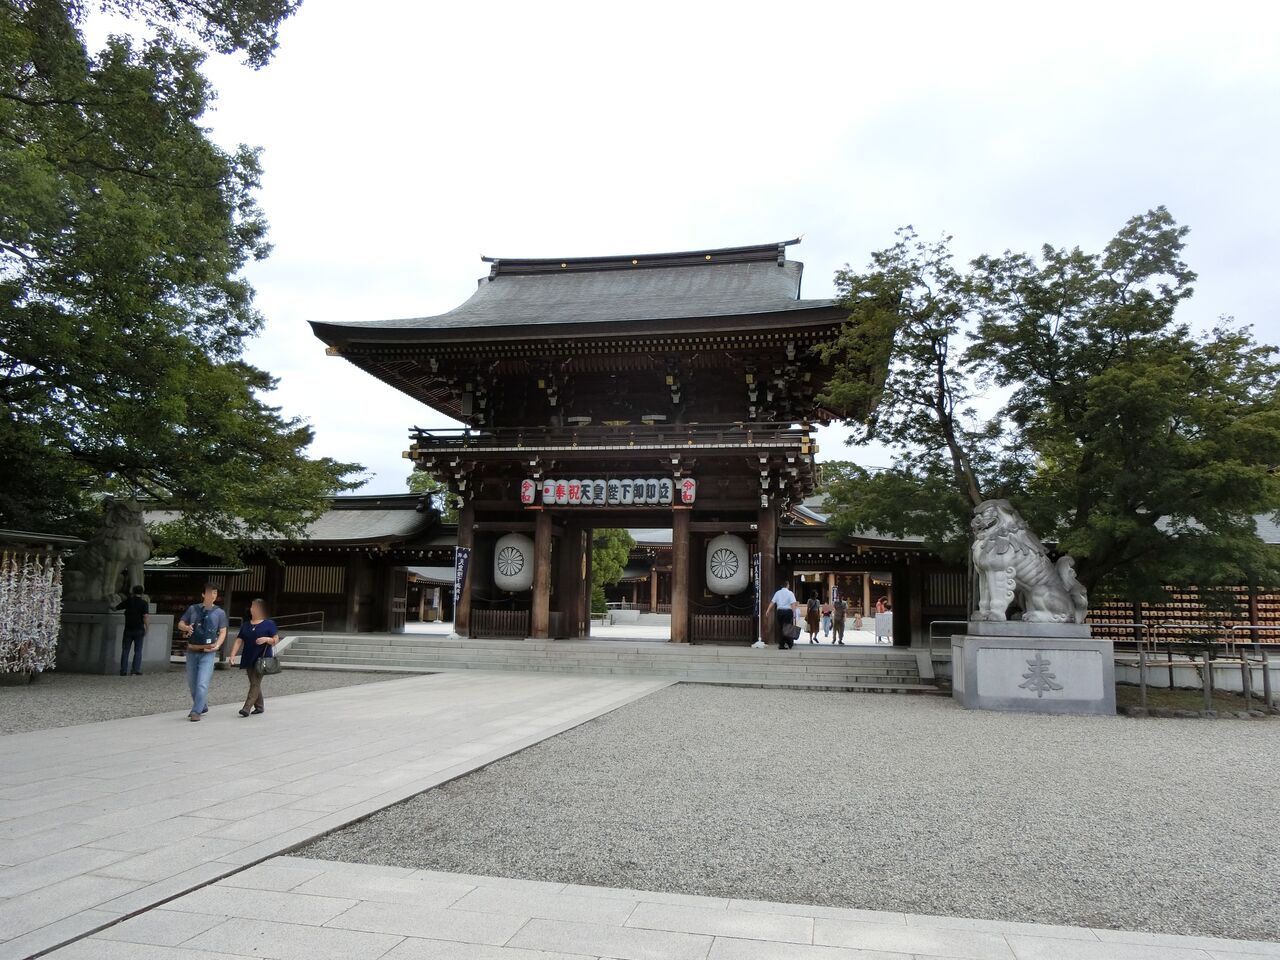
[(205, 630)]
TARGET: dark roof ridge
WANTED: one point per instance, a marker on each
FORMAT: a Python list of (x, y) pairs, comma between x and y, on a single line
[(525, 266)]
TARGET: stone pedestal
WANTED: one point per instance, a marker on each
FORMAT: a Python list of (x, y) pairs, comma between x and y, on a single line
[(1033, 668), (90, 641)]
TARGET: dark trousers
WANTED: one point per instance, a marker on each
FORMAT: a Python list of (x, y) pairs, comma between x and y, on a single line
[(254, 699), (785, 619), (132, 636), (837, 629)]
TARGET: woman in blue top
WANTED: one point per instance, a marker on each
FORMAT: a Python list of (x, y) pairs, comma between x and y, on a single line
[(257, 636)]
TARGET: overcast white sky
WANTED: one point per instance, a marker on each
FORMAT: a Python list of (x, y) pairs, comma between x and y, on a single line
[(402, 140)]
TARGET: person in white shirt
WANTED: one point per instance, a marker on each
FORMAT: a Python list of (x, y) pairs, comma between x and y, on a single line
[(783, 605)]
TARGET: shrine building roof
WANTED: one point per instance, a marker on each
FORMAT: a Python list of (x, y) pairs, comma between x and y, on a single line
[(533, 295)]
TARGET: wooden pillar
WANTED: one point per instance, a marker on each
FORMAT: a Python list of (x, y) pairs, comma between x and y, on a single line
[(767, 544), (680, 575), (466, 538), (540, 627), (273, 584), (653, 587), (1254, 635), (351, 589), (866, 593), (915, 602)]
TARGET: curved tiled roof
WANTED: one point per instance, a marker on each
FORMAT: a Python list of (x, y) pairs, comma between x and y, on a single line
[(354, 519), (728, 282)]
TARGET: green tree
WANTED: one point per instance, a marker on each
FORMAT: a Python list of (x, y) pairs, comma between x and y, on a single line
[(445, 504), (900, 378), (610, 550), (123, 312), (1143, 448)]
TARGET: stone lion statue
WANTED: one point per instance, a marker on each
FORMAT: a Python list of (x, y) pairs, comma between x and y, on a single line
[(1013, 567), (120, 546)]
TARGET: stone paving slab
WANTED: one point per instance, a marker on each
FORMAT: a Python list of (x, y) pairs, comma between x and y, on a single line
[(101, 821), (292, 908)]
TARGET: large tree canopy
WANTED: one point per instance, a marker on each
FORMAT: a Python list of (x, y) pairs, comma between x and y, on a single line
[(123, 310), (1142, 447)]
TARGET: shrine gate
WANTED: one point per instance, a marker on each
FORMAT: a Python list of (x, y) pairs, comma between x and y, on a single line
[(672, 390)]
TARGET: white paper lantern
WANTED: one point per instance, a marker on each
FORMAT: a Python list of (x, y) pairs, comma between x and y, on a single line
[(665, 488), (728, 565), (513, 563)]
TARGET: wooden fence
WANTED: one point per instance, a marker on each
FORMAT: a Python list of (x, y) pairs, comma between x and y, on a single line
[(723, 627), (500, 624)]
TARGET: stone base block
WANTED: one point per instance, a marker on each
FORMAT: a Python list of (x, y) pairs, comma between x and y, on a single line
[(90, 641), (1034, 674)]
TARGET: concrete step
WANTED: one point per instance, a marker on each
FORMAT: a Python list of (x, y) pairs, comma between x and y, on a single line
[(604, 648), (853, 669), (663, 652), (836, 685), (891, 668), (771, 678)]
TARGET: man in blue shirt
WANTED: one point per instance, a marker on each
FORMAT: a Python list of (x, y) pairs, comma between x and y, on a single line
[(205, 627)]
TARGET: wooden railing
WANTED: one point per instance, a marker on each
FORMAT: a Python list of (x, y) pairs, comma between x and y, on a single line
[(723, 628), (660, 436), (500, 624)]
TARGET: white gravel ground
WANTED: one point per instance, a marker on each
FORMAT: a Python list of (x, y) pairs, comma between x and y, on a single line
[(877, 802), (64, 699)]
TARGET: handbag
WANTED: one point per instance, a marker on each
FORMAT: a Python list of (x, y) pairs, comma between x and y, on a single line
[(267, 666), (791, 631)]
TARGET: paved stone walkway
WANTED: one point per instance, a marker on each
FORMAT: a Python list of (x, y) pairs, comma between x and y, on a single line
[(100, 821), (297, 909)]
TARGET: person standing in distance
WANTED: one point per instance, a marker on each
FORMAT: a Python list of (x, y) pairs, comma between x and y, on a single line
[(205, 627), (137, 618), (838, 609), (783, 605)]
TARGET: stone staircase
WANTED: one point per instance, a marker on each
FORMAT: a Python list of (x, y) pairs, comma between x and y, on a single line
[(882, 670)]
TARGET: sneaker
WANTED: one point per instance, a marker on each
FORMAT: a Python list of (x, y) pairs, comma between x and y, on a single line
[(205, 710), (193, 717)]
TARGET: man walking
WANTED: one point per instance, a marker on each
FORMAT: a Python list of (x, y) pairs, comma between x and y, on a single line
[(205, 627), (137, 618), (784, 606)]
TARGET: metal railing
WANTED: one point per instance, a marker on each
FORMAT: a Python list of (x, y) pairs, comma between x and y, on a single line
[(637, 435), (312, 618), (1206, 669), (950, 623)]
